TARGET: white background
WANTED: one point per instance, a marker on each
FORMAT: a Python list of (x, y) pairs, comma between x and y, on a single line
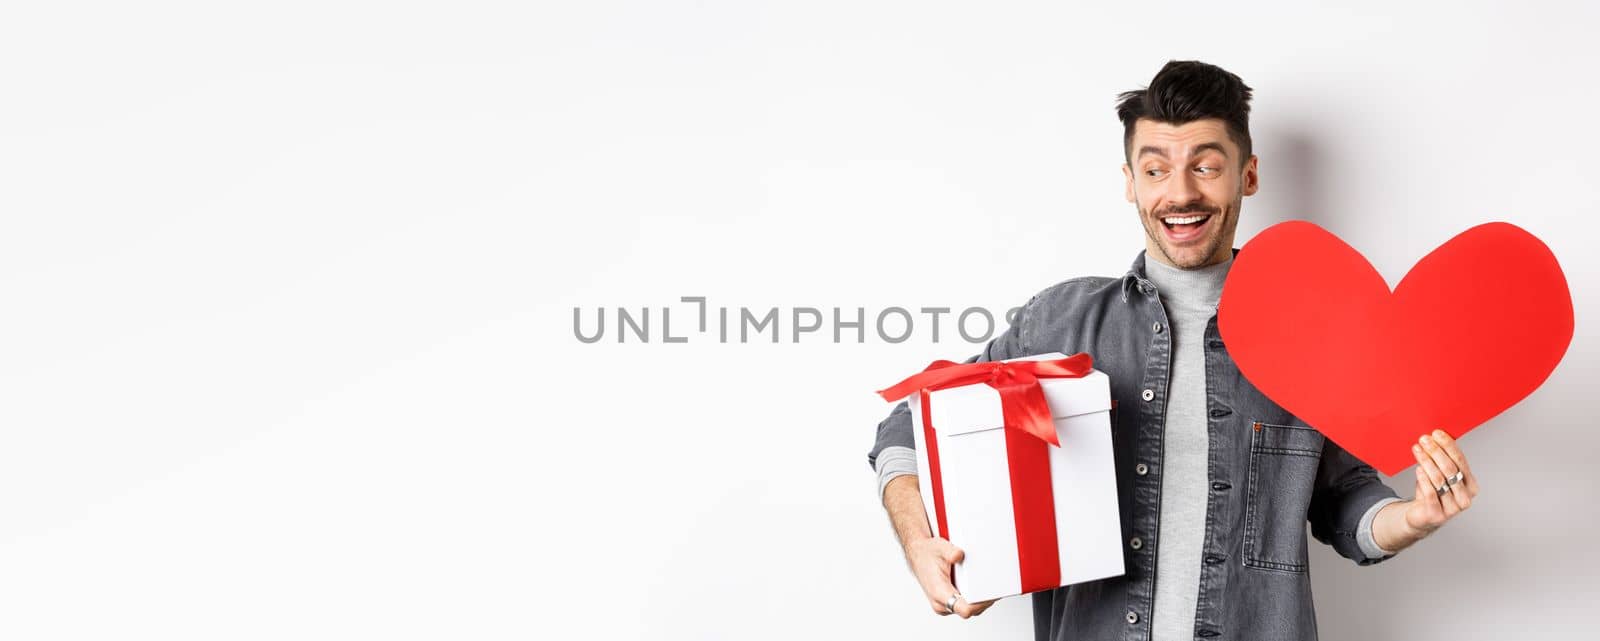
[(286, 348)]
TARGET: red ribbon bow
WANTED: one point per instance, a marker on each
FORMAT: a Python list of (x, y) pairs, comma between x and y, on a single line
[(1021, 398)]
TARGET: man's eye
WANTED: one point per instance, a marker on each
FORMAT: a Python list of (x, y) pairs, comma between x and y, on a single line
[(1152, 172), (1206, 169)]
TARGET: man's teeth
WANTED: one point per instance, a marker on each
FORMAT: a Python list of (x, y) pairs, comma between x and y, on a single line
[(1183, 220)]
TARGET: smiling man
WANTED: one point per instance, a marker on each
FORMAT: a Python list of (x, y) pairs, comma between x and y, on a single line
[(1216, 483)]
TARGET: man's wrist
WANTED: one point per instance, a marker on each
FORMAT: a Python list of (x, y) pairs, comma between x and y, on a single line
[(1389, 528), (1366, 531)]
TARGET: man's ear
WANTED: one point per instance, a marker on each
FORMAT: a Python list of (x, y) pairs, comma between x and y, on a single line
[(1252, 180), (1127, 182)]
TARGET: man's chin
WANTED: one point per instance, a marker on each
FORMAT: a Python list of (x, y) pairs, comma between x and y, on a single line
[(1188, 257)]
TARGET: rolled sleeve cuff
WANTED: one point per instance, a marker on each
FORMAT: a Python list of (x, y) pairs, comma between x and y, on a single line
[(895, 461), (1364, 537)]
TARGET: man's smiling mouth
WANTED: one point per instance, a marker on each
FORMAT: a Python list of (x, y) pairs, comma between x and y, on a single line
[(1185, 227)]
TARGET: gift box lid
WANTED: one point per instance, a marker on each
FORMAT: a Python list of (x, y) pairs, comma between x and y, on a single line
[(976, 407)]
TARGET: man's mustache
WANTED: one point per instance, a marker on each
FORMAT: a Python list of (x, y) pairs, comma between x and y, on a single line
[(1189, 209)]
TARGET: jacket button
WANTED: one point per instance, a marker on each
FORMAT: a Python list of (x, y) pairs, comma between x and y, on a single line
[(1135, 543), (1156, 326), (1141, 469), (1133, 617), (1213, 560), (1220, 412), (1219, 485), (1208, 633), (1147, 395)]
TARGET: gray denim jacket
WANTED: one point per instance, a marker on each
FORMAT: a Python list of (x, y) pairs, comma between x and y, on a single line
[(1269, 473)]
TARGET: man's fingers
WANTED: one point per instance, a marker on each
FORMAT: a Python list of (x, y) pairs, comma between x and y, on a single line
[(951, 556), (1427, 477), (1447, 465), (1468, 481), (1424, 494), (937, 559), (939, 597), (1430, 472), (969, 610), (1426, 497), (1461, 496), (1435, 479), (933, 567)]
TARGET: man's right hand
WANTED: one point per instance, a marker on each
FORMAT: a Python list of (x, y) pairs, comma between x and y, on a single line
[(931, 558)]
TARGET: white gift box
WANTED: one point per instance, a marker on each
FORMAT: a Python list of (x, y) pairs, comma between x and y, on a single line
[(974, 476)]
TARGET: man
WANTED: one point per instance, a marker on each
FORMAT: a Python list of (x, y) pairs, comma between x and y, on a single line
[(1215, 482)]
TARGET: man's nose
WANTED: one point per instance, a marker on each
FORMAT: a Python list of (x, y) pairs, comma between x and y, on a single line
[(1183, 190)]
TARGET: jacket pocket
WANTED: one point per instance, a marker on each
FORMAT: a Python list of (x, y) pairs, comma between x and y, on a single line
[(1283, 471)]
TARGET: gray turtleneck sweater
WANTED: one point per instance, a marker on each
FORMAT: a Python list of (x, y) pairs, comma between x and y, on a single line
[(1190, 299)]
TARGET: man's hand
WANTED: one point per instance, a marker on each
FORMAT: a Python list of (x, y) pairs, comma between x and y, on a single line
[(1399, 525), (931, 558)]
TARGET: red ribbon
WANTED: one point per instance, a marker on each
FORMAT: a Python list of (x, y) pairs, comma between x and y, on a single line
[(1021, 398), (1029, 426)]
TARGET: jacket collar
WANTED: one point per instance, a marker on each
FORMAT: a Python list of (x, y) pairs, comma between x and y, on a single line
[(1136, 277)]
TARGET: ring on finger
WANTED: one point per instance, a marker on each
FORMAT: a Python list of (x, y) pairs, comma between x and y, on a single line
[(1454, 479), (950, 604)]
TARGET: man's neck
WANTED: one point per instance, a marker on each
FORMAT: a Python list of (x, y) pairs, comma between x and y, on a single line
[(1196, 288)]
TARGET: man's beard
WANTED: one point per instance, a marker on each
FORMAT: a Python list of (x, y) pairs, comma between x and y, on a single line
[(1221, 220)]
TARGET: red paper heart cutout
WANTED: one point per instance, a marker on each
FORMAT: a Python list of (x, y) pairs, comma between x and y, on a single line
[(1473, 328)]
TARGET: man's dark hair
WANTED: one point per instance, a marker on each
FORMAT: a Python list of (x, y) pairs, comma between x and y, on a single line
[(1185, 91)]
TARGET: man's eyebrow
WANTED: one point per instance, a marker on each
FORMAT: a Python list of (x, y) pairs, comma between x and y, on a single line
[(1151, 149), (1148, 149)]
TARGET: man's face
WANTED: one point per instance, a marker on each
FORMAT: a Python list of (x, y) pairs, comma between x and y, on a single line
[(1187, 183)]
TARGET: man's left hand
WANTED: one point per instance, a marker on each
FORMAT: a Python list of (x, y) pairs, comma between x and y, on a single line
[(1438, 460)]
